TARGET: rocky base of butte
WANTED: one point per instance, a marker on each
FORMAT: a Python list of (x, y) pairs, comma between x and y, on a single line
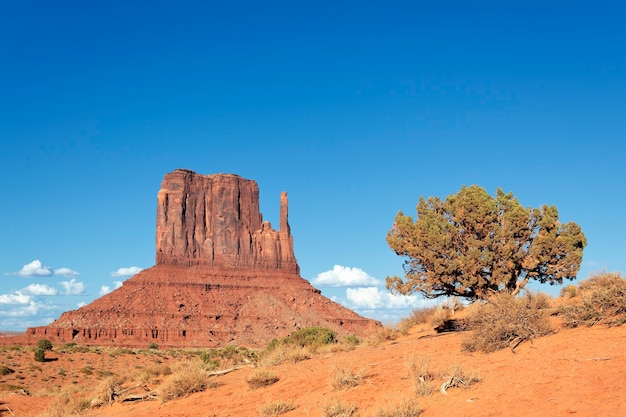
[(223, 276)]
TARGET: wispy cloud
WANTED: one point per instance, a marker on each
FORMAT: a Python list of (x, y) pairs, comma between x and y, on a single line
[(126, 272), (343, 276), (376, 298), (66, 272)]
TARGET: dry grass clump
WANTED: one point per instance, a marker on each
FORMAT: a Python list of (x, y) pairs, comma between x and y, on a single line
[(405, 408), (569, 291), (153, 373), (338, 409), (603, 300), (67, 403), (420, 375), (188, 378), (383, 334), (457, 377), (284, 353), (276, 408), (261, 378), (345, 376), (506, 321)]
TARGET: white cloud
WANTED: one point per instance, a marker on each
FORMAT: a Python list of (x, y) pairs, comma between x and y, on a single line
[(39, 289), (16, 298), (343, 276), (35, 269), (375, 298), (66, 272), (29, 309), (105, 289), (126, 272), (81, 304), (72, 287), (118, 284)]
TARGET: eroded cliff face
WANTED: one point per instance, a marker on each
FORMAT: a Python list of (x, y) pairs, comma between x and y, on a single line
[(223, 275), (214, 220)]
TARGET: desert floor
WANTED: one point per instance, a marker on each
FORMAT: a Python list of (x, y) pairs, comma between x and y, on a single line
[(572, 372)]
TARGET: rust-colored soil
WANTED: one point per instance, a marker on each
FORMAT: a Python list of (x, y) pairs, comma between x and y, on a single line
[(573, 372)]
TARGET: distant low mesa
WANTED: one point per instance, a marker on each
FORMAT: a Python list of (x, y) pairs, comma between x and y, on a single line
[(222, 276)]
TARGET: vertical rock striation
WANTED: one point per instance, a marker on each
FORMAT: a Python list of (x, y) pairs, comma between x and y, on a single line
[(214, 220)]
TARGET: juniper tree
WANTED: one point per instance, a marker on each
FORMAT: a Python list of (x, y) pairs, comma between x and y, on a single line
[(472, 245)]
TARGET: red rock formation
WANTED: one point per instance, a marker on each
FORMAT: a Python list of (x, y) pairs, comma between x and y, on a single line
[(214, 220), (223, 275)]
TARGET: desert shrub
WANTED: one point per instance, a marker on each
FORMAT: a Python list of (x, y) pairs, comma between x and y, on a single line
[(312, 336), (506, 321), (284, 353), (40, 355), (66, 404), (338, 409), (405, 408), (418, 316), (350, 340), (184, 381), (569, 291), (419, 374), (276, 408), (261, 378), (603, 300), (5, 370), (151, 373), (152, 345), (383, 334), (44, 344), (457, 377), (107, 390), (345, 376)]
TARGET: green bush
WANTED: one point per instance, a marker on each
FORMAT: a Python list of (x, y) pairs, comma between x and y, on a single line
[(152, 345), (40, 355), (309, 336), (44, 344)]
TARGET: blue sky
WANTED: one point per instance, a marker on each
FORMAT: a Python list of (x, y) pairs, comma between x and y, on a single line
[(355, 109)]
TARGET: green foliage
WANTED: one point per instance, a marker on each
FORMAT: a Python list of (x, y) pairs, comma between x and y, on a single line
[(472, 245), (152, 345), (603, 300), (506, 321), (44, 344), (309, 336), (40, 355)]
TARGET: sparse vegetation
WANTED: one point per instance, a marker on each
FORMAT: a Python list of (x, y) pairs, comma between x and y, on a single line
[(185, 380), (345, 376), (506, 321), (420, 375), (298, 346), (337, 408), (276, 408), (457, 377), (68, 402), (44, 344), (152, 345), (405, 408), (39, 355), (261, 378), (602, 300), (5, 370)]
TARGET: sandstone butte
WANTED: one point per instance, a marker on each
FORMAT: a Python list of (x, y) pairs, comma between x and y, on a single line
[(222, 276)]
